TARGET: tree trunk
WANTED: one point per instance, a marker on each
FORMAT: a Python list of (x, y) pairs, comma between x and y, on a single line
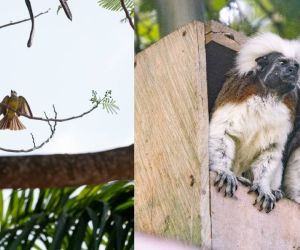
[(175, 13), (62, 170)]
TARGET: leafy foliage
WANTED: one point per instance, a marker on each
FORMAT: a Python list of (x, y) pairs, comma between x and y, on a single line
[(247, 16), (107, 102), (68, 219), (147, 31), (115, 5)]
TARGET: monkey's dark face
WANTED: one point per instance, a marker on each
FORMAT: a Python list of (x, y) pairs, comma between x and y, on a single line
[(278, 73)]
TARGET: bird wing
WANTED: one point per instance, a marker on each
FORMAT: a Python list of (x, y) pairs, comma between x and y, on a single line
[(24, 107), (2, 108)]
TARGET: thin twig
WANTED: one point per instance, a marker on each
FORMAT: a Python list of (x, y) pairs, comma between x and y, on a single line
[(66, 8), (28, 5), (127, 13), (52, 119), (52, 129), (33, 141), (24, 20)]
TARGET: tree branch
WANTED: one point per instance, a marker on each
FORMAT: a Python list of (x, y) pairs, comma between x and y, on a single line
[(58, 120), (127, 13), (63, 170), (47, 119), (54, 119), (24, 20), (52, 129)]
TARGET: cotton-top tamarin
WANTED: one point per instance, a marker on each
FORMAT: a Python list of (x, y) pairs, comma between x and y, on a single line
[(253, 116)]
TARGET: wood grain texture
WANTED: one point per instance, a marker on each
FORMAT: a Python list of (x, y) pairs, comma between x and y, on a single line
[(63, 170), (237, 224), (171, 129)]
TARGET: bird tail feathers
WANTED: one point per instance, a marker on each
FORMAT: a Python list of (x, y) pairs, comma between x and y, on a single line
[(12, 124)]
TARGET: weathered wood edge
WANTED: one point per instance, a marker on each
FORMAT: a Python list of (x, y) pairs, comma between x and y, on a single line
[(205, 183), (223, 35), (63, 170)]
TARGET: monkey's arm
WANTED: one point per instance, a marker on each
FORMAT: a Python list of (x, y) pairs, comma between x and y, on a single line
[(291, 181), (222, 152), (267, 175)]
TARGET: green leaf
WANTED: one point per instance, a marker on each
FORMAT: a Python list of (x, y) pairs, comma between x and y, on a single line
[(79, 233), (24, 235), (217, 5), (36, 233), (61, 230), (115, 5)]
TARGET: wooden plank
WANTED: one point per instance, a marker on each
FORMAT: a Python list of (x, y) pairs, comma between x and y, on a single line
[(148, 242), (171, 134), (237, 224), (62, 170), (223, 35), (222, 43)]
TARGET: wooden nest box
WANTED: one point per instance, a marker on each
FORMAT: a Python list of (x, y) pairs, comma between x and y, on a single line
[(176, 83)]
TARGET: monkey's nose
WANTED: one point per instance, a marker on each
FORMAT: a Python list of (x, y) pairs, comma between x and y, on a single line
[(292, 69)]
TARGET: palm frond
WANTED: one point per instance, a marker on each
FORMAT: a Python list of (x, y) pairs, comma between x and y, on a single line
[(69, 218)]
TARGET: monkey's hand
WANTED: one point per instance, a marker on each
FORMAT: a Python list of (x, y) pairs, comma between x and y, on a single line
[(278, 194), (227, 179), (266, 198)]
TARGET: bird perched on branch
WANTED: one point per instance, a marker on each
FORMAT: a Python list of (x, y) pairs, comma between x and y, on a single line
[(11, 107)]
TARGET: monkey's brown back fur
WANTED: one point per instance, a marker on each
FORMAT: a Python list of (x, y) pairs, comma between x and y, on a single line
[(237, 89)]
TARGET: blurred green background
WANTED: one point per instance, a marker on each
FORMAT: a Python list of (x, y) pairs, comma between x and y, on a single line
[(156, 18)]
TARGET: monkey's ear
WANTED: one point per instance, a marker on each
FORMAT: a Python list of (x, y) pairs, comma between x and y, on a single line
[(262, 62)]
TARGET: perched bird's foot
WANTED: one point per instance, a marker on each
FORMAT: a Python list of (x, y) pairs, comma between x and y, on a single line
[(227, 180), (265, 198)]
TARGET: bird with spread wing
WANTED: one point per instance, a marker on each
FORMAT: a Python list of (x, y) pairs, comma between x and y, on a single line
[(14, 105)]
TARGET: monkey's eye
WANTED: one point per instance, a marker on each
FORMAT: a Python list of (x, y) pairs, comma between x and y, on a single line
[(297, 65), (283, 62)]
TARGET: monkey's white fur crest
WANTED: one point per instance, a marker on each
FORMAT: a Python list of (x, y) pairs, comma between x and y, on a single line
[(262, 44)]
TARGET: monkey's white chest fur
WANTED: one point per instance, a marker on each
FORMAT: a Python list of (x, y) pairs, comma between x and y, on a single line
[(241, 132)]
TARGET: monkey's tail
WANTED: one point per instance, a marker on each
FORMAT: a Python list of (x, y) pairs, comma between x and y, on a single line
[(12, 124)]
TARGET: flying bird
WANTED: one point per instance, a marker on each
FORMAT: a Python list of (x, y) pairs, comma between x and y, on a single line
[(14, 105)]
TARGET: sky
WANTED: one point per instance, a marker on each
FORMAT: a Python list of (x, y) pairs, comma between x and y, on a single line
[(66, 62)]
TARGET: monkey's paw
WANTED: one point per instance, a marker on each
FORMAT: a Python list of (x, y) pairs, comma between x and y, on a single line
[(228, 180), (265, 199), (278, 194)]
